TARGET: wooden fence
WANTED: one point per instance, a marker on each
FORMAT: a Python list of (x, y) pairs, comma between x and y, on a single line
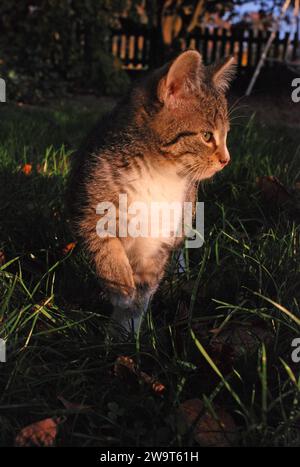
[(137, 49)]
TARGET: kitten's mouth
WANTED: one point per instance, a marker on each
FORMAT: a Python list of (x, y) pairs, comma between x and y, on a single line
[(202, 173), (211, 171)]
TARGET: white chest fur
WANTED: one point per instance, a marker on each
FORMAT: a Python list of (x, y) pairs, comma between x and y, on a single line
[(159, 187), (155, 209)]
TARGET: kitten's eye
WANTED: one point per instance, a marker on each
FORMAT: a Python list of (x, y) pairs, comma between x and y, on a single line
[(207, 136)]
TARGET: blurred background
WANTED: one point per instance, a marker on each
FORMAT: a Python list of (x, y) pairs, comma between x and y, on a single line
[(54, 48)]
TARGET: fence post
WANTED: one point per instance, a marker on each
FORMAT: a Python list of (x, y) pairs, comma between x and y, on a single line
[(157, 51), (295, 47), (144, 48), (223, 43), (215, 38), (241, 48), (250, 48)]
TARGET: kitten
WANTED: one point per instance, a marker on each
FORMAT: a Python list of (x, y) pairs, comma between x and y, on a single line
[(167, 136)]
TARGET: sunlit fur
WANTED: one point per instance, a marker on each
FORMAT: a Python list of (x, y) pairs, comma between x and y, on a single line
[(151, 148)]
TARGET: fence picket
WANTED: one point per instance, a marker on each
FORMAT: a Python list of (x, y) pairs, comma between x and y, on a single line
[(137, 49)]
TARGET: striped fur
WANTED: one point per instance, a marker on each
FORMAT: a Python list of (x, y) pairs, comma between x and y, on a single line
[(152, 149)]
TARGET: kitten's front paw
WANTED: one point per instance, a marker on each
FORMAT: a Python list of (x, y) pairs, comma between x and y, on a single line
[(121, 300), (117, 279)]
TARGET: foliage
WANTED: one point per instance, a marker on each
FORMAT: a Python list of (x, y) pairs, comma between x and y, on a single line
[(183, 16), (55, 46)]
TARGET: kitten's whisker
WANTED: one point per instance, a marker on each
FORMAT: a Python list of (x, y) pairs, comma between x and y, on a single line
[(238, 124), (232, 109), (238, 116), (235, 104)]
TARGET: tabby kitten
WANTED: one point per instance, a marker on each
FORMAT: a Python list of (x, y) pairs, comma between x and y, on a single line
[(168, 135)]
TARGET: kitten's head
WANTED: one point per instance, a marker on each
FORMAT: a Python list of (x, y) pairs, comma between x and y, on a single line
[(191, 118)]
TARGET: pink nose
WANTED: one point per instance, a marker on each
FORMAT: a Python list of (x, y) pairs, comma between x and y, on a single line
[(224, 160)]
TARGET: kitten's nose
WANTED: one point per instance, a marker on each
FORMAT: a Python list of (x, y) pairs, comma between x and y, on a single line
[(224, 158)]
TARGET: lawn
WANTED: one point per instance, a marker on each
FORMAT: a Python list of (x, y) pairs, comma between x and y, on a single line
[(221, 333)]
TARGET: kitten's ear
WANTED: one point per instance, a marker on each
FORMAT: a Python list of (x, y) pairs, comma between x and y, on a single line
[(224, 73), (182, 79)]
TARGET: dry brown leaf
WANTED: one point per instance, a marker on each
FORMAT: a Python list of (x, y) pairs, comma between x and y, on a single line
[(207, 430), (242, 339), (27, 169), (122, 363), (273, 190), (69, 247), (42, 433), (125, 367), (156, 386)]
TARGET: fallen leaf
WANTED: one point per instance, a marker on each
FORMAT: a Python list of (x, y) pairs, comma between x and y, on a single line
[(122, 363), (156, 386), (125, 368), (69, 247), (27, 169), (242, 339), (273, 190), (223, 355), (208, 431), (42, 433)]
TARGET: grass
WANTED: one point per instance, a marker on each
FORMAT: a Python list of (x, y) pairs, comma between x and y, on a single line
[(221, 332)]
